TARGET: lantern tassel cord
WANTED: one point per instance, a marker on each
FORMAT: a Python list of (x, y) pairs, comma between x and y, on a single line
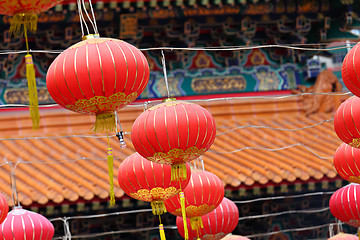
[(110, 162), (30, 76), (358, 232), (178, 172), (196, 223), (104, 122), (183, 213), (158, 207), (161, 230)]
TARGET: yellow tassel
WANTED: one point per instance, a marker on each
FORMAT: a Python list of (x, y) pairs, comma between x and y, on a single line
[(158, 207), (196, 223), (183, 212), (178, 172), (33, 97), (26, 20), (358, 232), (110, 160), (104, 122), (162, 232)]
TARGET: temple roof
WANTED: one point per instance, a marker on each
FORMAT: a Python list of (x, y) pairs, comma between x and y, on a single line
[(260, 141)]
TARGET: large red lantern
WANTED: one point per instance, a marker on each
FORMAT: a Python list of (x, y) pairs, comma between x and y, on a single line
[(150, 182), (98, 76), (350, 72), (4, 208), (347, 162), (346, 121), (218, 223), (174, 132), (203, 194), (344, 204), (24, 224)]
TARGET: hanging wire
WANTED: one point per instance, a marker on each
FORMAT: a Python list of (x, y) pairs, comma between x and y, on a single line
[(331, 230), (278, 129), (165, 75), (82, 20), (93, 15), (135, 104), (14, 195), (273, 149), (67, 232), (218, 48), (88, 16)]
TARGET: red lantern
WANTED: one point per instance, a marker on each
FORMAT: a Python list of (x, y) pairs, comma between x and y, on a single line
[(346, 121), (343, 236), (344, 204), (150, 182), (4, 208), (217, 223), (174, 132), (24, 224), (347, 162), (204, 193), (350, 72), (98, 76)]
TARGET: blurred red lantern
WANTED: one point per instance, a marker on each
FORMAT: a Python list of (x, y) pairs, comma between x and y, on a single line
[(24, 224), (203, 194), (346, 121), (344, 204), (343, 236), (350, 72), (174, 132), (4, 208), (150, 182), (98, 76), (23, 19), (217, 224), (347, 162)]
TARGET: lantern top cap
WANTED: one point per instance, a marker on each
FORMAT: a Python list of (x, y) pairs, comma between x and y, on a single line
[(90, 36), (169, 99)]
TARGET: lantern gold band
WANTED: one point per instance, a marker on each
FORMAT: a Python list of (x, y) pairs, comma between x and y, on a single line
[(90, 36), (169, 99)]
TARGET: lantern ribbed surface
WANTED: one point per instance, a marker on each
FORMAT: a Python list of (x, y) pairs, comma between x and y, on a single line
[(173, 132), (347, 121), (344, 204), (347, 162), (97, 76), (343, 236), (218, 223), (204, 193), (4, 208), (350, 71), (24, 224), (148, 181)]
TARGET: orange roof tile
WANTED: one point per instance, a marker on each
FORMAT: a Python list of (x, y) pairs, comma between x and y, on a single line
[(54, 165)]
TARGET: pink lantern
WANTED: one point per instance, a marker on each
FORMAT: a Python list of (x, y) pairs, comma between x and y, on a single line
[(343, 236), (23, 224)]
